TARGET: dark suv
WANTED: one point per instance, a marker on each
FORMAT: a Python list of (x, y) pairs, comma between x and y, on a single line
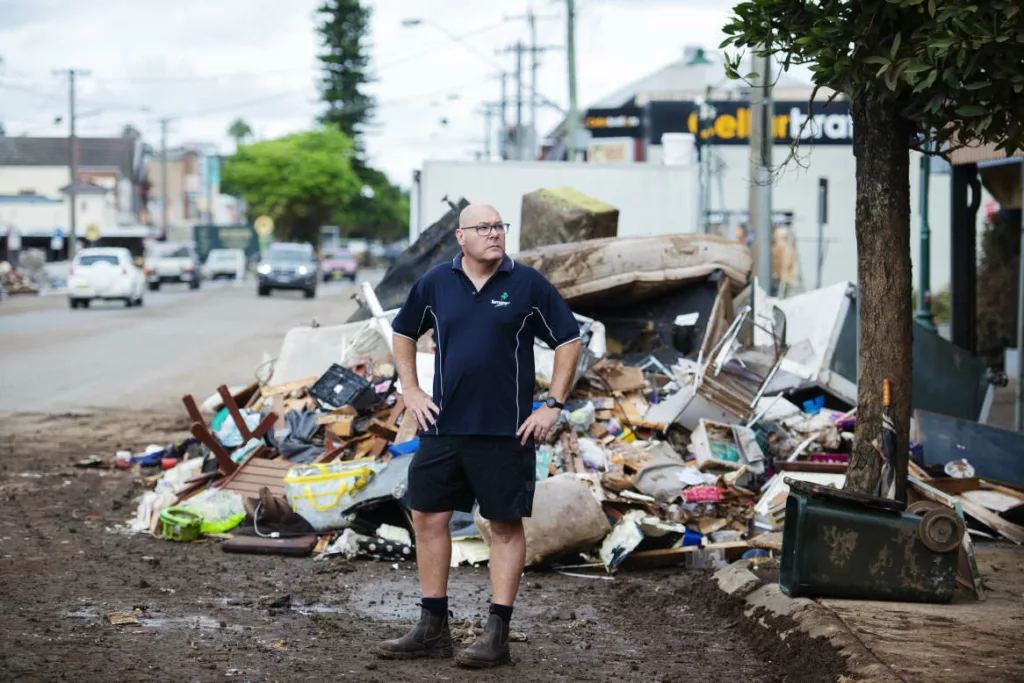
[(288, 266)]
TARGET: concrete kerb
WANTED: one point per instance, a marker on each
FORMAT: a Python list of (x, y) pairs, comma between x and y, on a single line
[(766, 600)]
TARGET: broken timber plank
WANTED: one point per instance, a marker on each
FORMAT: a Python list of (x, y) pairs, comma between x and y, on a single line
[(407, 430), (1006, 529), (288, 387), (256, 472), (381, 444)]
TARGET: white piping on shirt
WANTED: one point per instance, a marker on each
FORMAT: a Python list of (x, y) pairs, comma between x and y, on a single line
[(517, 365), (576, 338), (553, 338), (404, 337), (423, 317), (440, 362)]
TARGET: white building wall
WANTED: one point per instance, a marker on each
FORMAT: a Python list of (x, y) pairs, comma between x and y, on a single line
[(34, 218), (657, 199), (43, 180), (651, 199)]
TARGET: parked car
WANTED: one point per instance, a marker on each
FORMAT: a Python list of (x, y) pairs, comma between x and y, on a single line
[(339, 263), (288, 266), (230, 263), (172, 262), (106, 273)]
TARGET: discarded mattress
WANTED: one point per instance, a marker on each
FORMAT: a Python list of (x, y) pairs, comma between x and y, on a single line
[(635, 268)]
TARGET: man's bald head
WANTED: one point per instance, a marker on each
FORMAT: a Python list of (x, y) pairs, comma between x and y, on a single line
[(475, 214)]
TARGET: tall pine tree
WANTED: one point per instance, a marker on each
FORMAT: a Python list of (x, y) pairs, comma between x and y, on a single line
[(345, 59)]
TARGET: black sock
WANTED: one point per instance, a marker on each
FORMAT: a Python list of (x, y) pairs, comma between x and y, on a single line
[(437, 607), (503, 611)]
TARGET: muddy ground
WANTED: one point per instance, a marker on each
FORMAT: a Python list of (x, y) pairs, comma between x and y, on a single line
[(209, 616)]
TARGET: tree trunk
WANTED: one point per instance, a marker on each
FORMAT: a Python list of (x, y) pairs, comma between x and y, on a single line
[(881, 146)]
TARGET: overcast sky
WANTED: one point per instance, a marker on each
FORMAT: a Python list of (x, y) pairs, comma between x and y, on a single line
[(204, 63)]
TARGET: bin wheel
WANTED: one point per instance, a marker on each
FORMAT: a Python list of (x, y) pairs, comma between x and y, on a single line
[(941, 530), (923, 506)]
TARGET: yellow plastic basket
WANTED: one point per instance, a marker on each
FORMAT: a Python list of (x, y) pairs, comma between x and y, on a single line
[(316, 491)]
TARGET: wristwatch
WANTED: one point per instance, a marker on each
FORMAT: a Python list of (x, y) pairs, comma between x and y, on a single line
[(552, 402)]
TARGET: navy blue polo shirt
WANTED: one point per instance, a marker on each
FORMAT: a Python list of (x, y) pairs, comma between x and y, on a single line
[(483, 369)]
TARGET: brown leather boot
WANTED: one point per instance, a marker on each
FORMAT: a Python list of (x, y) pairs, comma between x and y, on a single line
[(490, 648), (431, 637)]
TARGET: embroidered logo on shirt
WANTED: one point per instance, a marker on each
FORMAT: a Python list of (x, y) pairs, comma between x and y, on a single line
[(502, 302)]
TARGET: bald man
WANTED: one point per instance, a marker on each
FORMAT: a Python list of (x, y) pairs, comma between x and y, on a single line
[(477, 426)]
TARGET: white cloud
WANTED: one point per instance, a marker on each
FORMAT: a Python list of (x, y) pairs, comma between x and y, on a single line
[(167, 58)]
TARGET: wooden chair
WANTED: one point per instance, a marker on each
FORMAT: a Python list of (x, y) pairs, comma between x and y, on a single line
[(201, 431)]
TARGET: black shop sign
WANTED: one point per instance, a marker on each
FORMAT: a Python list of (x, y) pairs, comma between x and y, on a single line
[(826, 124)]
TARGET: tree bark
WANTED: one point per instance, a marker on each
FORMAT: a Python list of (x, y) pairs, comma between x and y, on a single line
[(881, 146)]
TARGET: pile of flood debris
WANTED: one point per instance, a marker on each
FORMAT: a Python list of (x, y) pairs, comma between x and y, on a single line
[(697, 400)]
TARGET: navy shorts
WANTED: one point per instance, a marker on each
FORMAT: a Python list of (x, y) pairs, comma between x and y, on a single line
[(450, 472)]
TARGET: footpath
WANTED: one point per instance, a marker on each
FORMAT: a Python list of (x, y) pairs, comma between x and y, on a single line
[(967, 640)]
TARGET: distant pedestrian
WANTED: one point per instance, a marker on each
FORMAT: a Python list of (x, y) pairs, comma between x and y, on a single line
[(13, 246), (477, 428)]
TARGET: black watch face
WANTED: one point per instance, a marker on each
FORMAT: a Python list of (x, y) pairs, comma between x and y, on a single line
[(552, 402)]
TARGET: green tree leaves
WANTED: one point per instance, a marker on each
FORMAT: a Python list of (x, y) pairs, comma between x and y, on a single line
[(953, 68), (343, 27), (307, 180), (297, 180)]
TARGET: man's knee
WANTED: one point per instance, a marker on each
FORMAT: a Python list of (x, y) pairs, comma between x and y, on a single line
[(506, 530), (430, 523)]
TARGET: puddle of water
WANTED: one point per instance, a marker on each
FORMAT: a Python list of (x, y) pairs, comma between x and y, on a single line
[(197, 621), (82, 614), (317, 609)]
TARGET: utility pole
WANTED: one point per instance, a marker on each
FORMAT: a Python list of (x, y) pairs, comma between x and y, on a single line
[(519, 101), (503, 123), (488, 109), (519, 49), (72, 159), (531, 19), (535, 52), (924, 286), (570, 49), (163, 176), (822, 220), (761, 139)]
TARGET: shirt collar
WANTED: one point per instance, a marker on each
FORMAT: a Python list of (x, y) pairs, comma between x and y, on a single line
[(507, 264)]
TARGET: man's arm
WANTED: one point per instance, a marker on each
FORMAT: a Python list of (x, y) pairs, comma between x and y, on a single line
[(416, 400), (566, 357), (541, 420)]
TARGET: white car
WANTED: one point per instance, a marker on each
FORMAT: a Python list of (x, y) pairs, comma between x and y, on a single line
[(172, 262), (107, 273), (224, 263)]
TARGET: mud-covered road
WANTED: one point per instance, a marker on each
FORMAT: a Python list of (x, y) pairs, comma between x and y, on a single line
[(209, 616)]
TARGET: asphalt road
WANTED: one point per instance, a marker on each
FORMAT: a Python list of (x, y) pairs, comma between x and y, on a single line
[(54, 359)]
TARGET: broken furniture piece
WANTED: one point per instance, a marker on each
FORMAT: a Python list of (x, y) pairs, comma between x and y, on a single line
[(732, 380), (201, 431)]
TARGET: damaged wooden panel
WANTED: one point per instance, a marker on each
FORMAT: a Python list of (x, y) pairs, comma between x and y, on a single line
[(562, 214)]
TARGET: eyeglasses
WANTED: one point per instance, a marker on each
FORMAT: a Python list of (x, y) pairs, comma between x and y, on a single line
[(485, 230)]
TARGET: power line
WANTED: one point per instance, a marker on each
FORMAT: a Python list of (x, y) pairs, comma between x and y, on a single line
[(385, 103), (199, 78)]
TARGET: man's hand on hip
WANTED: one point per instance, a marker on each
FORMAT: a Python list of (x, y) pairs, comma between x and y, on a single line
[(538, 424), (420, 405)]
